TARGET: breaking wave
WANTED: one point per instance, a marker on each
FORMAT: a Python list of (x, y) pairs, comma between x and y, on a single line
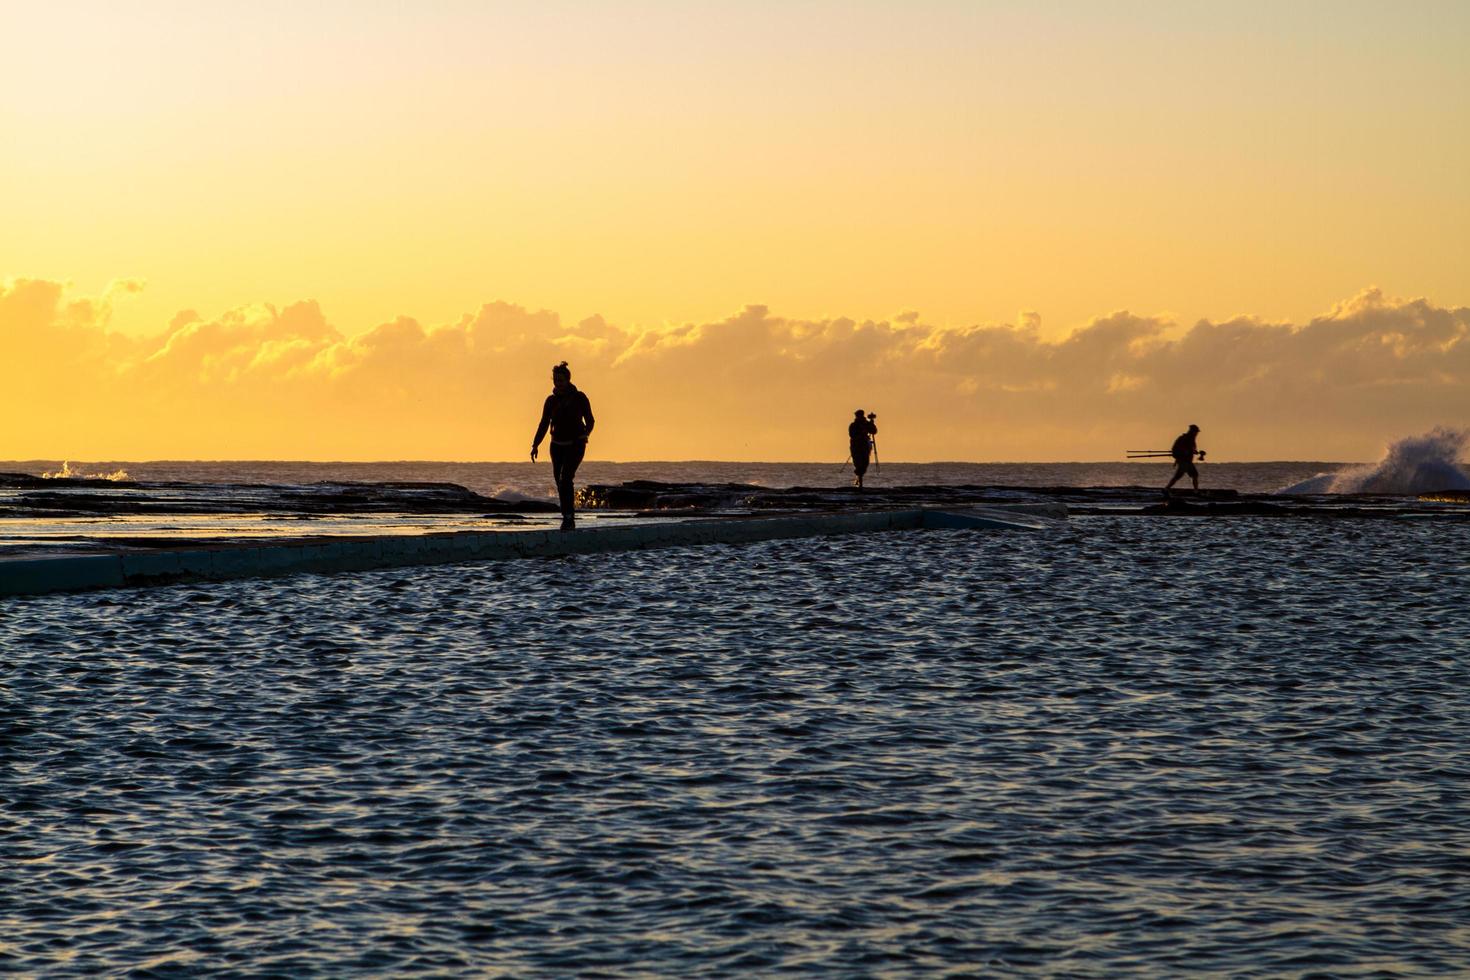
[(67, 473), (1417, 464), (509, 496)]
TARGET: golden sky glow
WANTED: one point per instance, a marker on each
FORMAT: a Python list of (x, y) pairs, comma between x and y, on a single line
[(664, 166)]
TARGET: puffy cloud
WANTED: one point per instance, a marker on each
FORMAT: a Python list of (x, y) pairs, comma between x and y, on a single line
[(284, 382)]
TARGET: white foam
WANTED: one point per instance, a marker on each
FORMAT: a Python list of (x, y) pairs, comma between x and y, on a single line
[(67, 473), (1417, 464), (508, 496)]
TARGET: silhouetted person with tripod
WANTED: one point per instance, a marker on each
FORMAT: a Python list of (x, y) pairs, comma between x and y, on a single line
[(568, 414), (860, 433), (1184, 452)]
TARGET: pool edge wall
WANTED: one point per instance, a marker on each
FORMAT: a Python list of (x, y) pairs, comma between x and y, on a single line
[(225, 562)]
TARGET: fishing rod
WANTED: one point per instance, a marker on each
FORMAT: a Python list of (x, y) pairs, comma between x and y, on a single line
[(877, 463), (1152, 453)]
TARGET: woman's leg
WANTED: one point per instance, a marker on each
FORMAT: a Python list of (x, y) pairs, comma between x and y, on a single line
[(564, 463), (556, 460)]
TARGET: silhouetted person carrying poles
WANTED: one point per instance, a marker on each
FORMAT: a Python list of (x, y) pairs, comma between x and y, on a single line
[(568, 414), (1184, 452), (860, 433)]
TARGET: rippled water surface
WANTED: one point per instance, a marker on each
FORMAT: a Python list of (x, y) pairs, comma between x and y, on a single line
[(1133, 745)]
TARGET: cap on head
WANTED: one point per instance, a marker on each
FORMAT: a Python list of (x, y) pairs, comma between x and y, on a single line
[(1194, 428)]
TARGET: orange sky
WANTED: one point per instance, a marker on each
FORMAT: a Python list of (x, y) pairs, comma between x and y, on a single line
[(337, 191)]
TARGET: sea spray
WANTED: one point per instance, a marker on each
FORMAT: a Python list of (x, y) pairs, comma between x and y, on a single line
[(505, 494), (67, 473), (1413, 465)]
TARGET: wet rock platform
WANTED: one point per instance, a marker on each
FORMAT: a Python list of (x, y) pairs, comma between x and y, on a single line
[(24, 495), (651, 497)]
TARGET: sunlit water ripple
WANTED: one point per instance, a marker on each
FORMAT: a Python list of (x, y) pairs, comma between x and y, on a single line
[(1135, 745)]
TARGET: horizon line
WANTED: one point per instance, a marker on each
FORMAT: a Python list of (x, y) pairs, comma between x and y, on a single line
[(683, 462)]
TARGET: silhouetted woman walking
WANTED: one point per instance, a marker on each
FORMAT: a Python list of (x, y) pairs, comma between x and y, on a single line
[(568, 414)]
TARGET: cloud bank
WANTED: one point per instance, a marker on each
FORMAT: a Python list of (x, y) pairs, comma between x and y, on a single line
[(285, 383)]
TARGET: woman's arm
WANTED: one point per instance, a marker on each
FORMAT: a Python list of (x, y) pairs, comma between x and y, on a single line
[(541, 429)]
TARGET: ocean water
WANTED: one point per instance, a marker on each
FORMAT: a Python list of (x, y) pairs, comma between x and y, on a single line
[(1414, 464), (1131, 746), (534, 480)]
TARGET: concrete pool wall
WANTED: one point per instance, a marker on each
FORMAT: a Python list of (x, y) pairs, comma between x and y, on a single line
[(194, 561)]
